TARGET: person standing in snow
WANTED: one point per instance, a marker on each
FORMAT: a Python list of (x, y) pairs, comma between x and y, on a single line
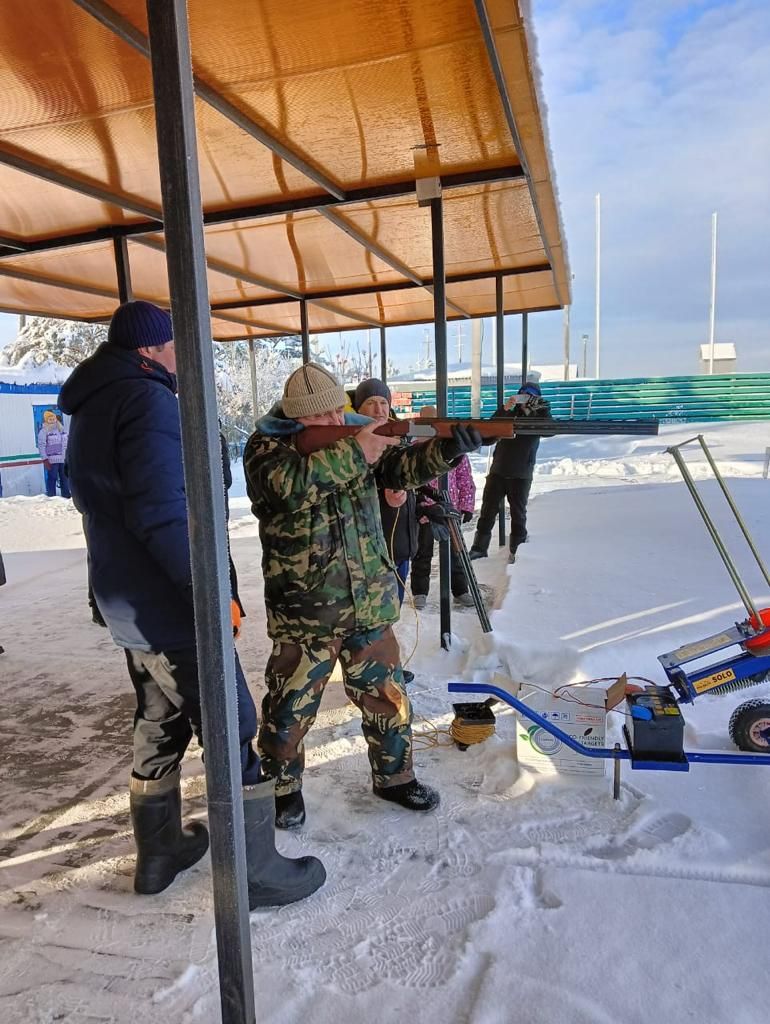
[(125, 465), (432, 525), (52, 445), (2, 582), (330, 592), (398, 509), (513, 466), (227, 474)]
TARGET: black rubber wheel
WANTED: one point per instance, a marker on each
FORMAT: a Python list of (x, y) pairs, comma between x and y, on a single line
[(750, 726)]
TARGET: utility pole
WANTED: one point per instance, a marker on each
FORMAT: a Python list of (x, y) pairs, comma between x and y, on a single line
[(598, 280), (713, 306), (566, 342), (584, 339), (459, 342)]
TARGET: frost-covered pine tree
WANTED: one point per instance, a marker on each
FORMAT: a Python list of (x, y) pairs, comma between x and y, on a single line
[(275, 360), (42, 340)]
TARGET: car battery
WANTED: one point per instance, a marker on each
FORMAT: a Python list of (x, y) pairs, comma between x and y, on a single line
[(657, 725)]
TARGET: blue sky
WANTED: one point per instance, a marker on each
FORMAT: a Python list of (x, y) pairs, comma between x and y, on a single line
[(662, 106)]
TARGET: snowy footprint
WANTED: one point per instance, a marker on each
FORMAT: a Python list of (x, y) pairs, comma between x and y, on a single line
[(656, 831)]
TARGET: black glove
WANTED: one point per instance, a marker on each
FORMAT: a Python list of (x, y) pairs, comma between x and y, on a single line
[(436, 516), (535, 406), (467, 516), (462, 441)]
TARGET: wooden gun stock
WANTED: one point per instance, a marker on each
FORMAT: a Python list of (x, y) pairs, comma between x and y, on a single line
[(313, 439)]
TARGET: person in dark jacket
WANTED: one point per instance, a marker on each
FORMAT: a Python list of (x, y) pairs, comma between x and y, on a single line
[(227, 475), (513, 466), (2, 581), (398, 509), (125, 469)]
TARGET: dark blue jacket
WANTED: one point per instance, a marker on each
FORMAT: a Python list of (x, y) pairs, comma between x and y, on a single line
[(124, 462), (515, 457)]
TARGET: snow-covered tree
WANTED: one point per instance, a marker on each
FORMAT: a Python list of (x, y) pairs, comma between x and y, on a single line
[(275, 359), (42, 340)]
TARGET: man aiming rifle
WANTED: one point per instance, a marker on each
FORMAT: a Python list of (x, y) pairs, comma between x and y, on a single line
[(330, 590)]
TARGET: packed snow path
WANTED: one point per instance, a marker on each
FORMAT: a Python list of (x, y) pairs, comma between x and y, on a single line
[(523, 899)]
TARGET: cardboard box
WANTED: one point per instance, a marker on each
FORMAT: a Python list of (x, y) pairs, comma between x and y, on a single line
[(579, 711)]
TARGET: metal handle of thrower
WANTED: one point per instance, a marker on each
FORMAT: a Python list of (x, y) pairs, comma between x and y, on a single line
[(740, 586)]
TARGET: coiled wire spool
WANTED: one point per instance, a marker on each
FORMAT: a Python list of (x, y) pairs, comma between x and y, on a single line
[(473, 723)]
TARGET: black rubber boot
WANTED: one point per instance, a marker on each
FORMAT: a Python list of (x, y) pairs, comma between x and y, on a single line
[(273, 880), (96, 617), (289, 810), (480, 545), (414, 795), (163, 847), (408, 676)]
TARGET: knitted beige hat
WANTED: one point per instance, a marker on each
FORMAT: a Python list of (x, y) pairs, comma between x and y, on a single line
[(311, 390)]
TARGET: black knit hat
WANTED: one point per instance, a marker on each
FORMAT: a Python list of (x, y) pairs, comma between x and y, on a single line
[(369, 389), (138, 325)]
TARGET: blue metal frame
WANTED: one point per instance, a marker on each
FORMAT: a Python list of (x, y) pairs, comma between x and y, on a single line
[(696, 756)]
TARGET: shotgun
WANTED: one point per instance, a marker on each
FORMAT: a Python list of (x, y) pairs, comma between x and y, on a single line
[(313, 439)]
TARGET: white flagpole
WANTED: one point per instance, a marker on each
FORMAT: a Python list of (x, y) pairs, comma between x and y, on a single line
[(598, 280), (712, 310)]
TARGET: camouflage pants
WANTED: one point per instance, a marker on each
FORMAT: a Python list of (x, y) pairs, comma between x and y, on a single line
[(296, 676)]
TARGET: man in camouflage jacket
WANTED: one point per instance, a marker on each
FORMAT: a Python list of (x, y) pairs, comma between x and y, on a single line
[(330, 588)]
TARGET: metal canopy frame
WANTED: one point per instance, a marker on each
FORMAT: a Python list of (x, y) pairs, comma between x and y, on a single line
[(186, 261), (182, 224)]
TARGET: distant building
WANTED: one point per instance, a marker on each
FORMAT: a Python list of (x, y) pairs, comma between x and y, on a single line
[(724, 357)]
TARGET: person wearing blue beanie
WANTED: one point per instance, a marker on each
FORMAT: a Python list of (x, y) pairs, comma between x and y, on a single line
[(510, 475), (140, 324), (127, 480)]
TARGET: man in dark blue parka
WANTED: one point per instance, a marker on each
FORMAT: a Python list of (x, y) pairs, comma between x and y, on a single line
[(125, 469)]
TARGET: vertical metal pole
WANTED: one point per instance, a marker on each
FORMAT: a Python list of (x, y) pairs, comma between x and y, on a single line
[(476, 326), (585, 355), (524, 346), (734, 508), (383, 357), (183, 226), (122, 270), (439, 318), (499, 339), (254, 388), (500, 368), (598, 281), (714, 533), (566, 342), (713, 304), (305, 331)]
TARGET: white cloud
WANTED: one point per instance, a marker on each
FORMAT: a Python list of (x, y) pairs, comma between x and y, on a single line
[(662, 107)]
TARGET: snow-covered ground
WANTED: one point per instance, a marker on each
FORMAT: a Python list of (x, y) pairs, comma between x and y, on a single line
[(526, 897)]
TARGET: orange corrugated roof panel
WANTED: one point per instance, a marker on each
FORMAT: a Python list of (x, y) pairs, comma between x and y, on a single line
[(361, 94)]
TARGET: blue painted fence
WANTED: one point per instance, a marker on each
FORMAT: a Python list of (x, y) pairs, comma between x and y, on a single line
[(729, 396)]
